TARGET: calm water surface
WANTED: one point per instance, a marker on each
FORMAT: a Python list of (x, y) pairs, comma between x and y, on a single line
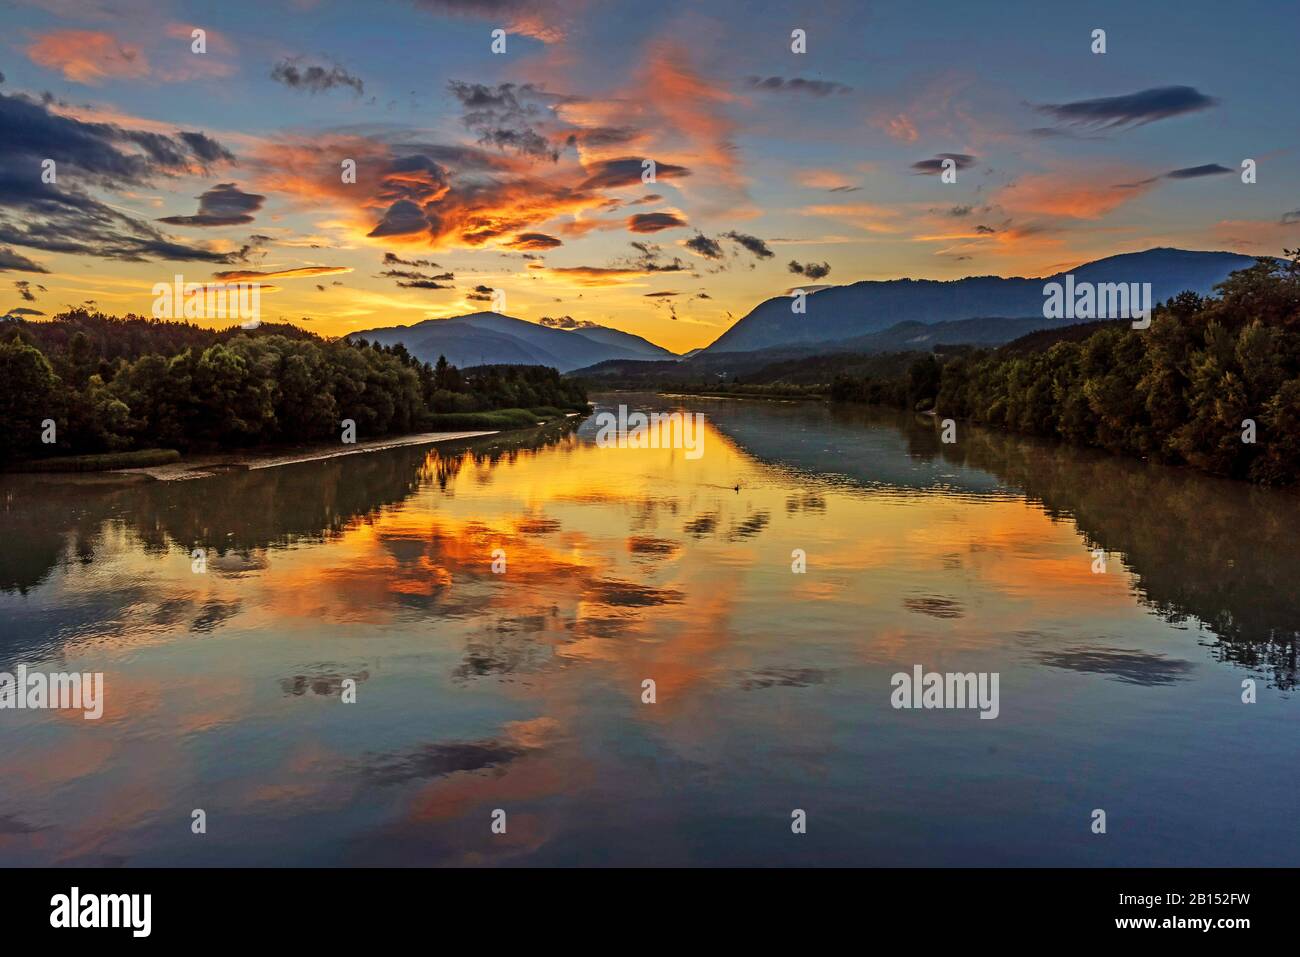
[(522, 691)]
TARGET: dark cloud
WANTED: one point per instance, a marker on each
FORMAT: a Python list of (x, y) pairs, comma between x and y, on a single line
[(702, 245), (527, 142), (935, 165), (104, 154), (1286, 220), (255, 245), (403, 218), (427, 284), (506, 116), (1189, 172), (752, 243), (534, 241), (1195, 172), (626, 171), (648, 198), (206, 149), (654, 222), (390, 259), (985, 230), (811, 270), (648, 259), (10, 260), (567, 322), (661, 295), (314, 78), (42, 216), (601, 137), (24, 287), (65, 218), (480, 294), (411, 279), (223, 205), (796, 85), (412, 274), (1133, 109)]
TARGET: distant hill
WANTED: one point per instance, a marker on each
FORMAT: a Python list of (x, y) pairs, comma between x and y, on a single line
[(839, 313), (487, 338), (795, 363)]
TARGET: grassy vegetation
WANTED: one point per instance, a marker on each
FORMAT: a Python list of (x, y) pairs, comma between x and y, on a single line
[(776, 390), (497, 420), (141, 458)]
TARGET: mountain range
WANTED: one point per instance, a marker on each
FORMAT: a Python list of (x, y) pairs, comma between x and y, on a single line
[(488, 338), (872, 316), (839, 313)]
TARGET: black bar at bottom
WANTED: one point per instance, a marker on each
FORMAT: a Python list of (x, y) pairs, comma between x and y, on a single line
[(374, 906)]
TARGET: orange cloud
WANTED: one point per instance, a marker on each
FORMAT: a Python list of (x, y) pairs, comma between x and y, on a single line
[(88, 56), (184, 64), (1257, 237), (476, 199), (93, 56), (828, 179), (901, 128), (599, 275), (863, 215), (1069, 194), (692, 109)]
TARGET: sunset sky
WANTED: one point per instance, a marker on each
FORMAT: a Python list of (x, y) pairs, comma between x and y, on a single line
[(522, 171)]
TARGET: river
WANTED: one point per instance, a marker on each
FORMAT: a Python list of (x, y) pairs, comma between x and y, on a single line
[(1125, 608)]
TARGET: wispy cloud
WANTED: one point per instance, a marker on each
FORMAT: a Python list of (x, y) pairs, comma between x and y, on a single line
[(780, 84), (1132, 109), (88, 56), (936, 164)]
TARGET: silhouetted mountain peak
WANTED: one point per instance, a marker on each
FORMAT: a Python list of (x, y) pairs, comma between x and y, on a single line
[(490, 338), (839, 313)]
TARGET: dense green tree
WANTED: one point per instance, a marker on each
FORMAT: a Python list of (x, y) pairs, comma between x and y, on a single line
[(1185, 390), (132, 383), (29, 395)]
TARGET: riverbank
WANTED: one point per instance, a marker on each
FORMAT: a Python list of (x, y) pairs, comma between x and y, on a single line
[(168, 465), (202, 466), (769, 397)]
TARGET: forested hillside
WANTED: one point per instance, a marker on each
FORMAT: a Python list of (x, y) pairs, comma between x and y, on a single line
[(112, 384), (1214, 383)]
